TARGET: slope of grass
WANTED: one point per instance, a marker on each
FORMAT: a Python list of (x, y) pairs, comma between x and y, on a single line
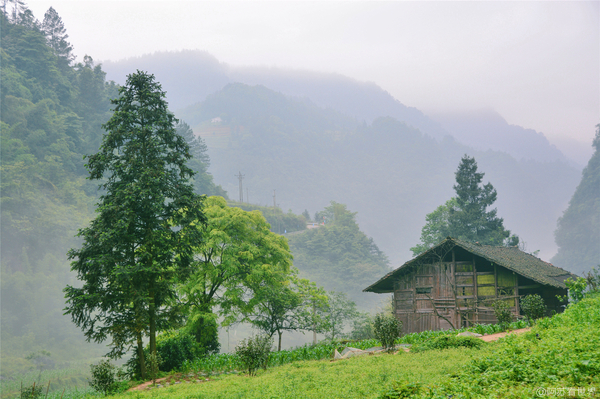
[(359, 377)]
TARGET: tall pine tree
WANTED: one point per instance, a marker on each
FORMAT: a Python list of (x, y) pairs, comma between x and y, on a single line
[(56, 35), (466, 216), (140, 243)]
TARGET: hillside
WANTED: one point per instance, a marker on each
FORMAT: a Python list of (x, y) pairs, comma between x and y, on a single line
[(51, 118), (387, 171), (578, 232)]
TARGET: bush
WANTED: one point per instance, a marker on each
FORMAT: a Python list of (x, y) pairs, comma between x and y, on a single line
[(533, 306), (254, 352), (448, 341), (104, 377), (174, 348), (402, 389), (31, 392), (153, 366), (502, 312), (386, 329)]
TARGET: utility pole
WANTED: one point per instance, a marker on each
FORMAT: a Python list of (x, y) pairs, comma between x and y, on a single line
[(240, 177), (247, 196), (274, 202)]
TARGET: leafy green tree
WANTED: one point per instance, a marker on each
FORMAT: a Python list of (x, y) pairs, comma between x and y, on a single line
[(436, 227), (286, 304), (578, 232), (238, 250), (140, 242), (338, 311), (339, 256), (466, 216)]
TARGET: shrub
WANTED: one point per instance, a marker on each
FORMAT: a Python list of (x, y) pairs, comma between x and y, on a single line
[(104, 377), (576, 288), (502, 312), (31, 392), (254, 352), (174, 348), (152, 366), (402, 389), (448, 341), (387, 329), (533, 306)]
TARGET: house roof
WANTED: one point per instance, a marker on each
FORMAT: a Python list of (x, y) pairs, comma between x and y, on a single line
[(511, 258)]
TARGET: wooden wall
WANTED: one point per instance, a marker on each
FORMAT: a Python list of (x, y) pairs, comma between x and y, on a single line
[(460, 290)]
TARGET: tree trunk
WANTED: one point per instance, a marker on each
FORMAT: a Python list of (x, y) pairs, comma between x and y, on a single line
[(140, 351), (279, 346), (152, 321)]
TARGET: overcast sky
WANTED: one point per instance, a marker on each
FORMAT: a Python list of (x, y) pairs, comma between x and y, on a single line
[(536, 63)]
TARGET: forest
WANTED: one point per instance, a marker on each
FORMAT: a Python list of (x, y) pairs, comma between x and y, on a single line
[(352, 196)]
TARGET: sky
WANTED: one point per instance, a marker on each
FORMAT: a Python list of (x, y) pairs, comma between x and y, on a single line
[(535, 63)]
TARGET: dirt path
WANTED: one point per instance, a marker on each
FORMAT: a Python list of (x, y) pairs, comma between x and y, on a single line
[(497, 336)]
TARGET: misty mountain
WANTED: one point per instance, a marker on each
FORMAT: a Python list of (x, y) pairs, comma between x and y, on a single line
[(389, 172), (190, 76), (578, 232), (486, 129)]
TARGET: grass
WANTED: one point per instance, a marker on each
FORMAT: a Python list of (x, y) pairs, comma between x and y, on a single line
[(359, 377)]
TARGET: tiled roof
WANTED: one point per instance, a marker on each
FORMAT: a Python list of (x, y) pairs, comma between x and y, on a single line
[(511, 258)]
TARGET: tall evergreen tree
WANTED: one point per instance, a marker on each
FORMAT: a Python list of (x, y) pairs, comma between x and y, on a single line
[(140, 243), (578, 231), (466, 216), (56, 35)]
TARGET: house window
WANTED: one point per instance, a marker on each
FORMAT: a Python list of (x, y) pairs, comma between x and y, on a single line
[(424, 290)]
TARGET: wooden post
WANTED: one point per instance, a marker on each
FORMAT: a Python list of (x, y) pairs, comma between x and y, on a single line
[(475, 297)]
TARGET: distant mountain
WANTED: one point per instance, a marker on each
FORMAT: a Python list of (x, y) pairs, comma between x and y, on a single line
[(486, 129), (190, 76), (389, 172)]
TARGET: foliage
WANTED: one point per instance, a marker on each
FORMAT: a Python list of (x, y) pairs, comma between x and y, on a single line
[(104, 377), (402, 389), (576, 288), (436, 227), (280, 222), (199, 162), (362, 327), (502, 312), (466, 216), (286, 304), (254, 352), (153, 361), (238, 252), (578, 229), (593, 279), (448, 341), (136, 247), (336, 313), (533, 306), (386, 329), (174, 348), (339, 256), (31, 392)]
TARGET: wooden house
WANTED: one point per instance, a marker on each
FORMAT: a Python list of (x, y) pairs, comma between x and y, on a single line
[(456, 282)]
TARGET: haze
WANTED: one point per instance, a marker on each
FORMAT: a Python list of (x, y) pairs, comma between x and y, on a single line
[(535, 63)]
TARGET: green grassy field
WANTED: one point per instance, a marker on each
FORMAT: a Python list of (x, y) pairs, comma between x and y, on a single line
[(559, 357)]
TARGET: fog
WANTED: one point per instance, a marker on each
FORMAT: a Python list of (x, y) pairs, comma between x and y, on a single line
[(534, 63)]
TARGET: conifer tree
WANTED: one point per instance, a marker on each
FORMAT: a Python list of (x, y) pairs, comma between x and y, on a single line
[(466, 215), (139, 245), (56, 35)]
